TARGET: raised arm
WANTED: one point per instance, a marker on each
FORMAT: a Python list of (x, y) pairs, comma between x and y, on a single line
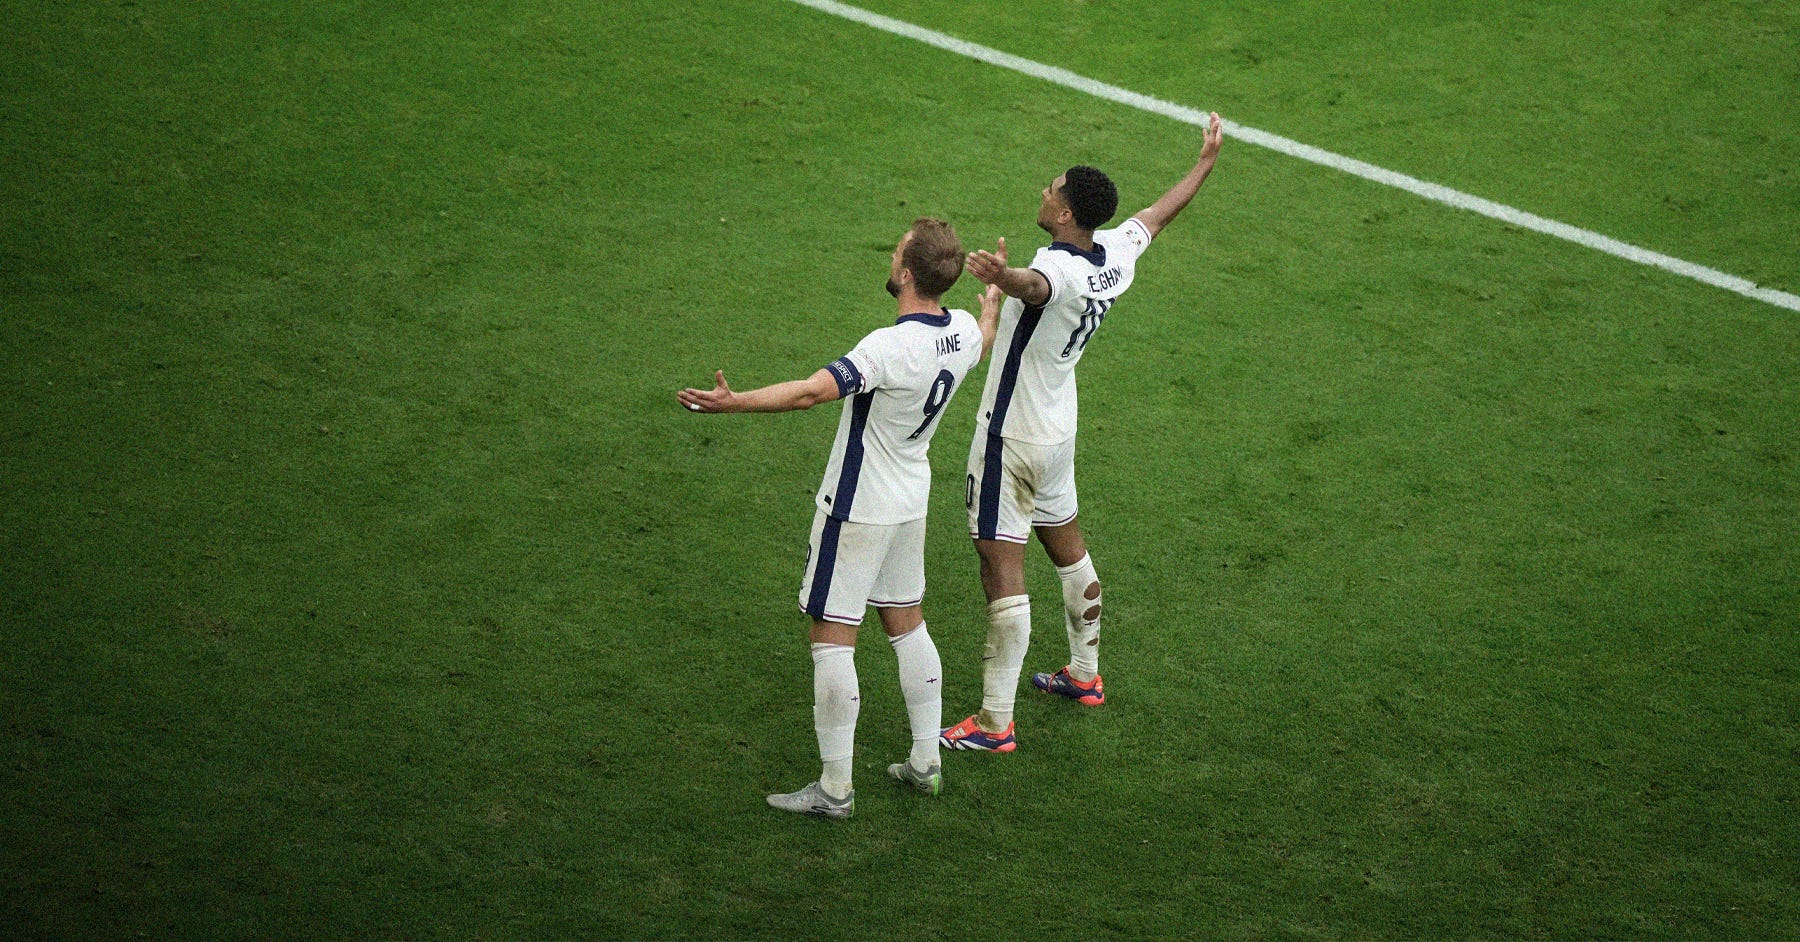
[(1163, 211), (781, 397), (989, 321), (1026, 284)]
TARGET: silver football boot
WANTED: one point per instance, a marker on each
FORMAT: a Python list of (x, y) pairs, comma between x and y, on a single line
[(930, 781), (813, 800)]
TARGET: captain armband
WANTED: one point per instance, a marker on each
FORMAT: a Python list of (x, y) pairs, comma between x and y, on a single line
[(849, 378)]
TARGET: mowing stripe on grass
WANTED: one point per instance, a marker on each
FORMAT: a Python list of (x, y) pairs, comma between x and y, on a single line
[(1275, 142)]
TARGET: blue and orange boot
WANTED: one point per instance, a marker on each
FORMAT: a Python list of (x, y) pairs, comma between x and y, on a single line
[(969, 735), (1060, 683)]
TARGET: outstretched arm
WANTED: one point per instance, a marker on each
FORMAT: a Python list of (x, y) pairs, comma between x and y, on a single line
[(781, 397), (1163, 211), (1026, 284)]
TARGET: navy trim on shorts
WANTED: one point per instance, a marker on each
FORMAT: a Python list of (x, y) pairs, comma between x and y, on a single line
[(821, 580), (987, 519), (848, 474)]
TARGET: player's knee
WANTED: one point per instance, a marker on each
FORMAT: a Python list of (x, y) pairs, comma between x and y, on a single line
[(990, 573)]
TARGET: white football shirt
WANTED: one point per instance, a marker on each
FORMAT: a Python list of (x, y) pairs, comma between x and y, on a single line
[(1030, 391), (896, 384)]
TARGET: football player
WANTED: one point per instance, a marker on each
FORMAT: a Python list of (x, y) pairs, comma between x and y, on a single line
[(1021, 476), (868, 532)]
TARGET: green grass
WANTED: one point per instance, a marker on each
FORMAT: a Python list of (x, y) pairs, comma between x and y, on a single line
[(361, 578)]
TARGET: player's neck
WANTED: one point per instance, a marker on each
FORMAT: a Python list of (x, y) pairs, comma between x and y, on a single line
[(1082, 239), (913, 303)]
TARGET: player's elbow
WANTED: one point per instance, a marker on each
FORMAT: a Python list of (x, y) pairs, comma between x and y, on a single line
[(1032, 287), (807, 398)]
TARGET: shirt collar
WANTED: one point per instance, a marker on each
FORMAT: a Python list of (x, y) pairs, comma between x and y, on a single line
[(940, 319), (1097, 256)]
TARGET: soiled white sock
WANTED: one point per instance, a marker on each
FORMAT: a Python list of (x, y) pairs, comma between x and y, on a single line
[(921, 684), (1009, 634), (836, 702), (1084, 631)]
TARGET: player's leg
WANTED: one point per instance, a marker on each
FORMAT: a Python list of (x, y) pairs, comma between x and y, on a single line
[(921, 685), (898, 592), (1058, 529), (833, 593), (1009, 631), (836, 703), (999, 496), (1080, 593), (1002, 568), (1080, 680)]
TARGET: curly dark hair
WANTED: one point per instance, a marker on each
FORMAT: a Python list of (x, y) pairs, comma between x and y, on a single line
[(1091, 196)]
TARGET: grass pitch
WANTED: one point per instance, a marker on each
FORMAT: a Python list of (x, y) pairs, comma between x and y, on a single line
[(362, 578)]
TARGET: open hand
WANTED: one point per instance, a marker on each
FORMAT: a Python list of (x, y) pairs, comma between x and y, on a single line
[(1215, 135), (717, 399), (986, 266)]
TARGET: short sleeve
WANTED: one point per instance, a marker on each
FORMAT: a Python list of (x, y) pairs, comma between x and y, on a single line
[(1136, 237), (860, 369), (1046, 264)]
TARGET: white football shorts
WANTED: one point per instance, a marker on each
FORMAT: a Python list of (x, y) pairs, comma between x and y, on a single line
[(850, 566), (1014, 486)]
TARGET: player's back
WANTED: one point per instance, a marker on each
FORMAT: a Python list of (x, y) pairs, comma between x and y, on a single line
[(897, 382), (1030, 393)]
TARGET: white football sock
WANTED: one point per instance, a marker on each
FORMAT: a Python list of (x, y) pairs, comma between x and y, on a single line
[(921, 683), (835, 705), (1078, 605), (1009, 633)]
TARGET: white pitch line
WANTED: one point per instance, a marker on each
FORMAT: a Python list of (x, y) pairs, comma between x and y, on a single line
[(1292, 148)]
